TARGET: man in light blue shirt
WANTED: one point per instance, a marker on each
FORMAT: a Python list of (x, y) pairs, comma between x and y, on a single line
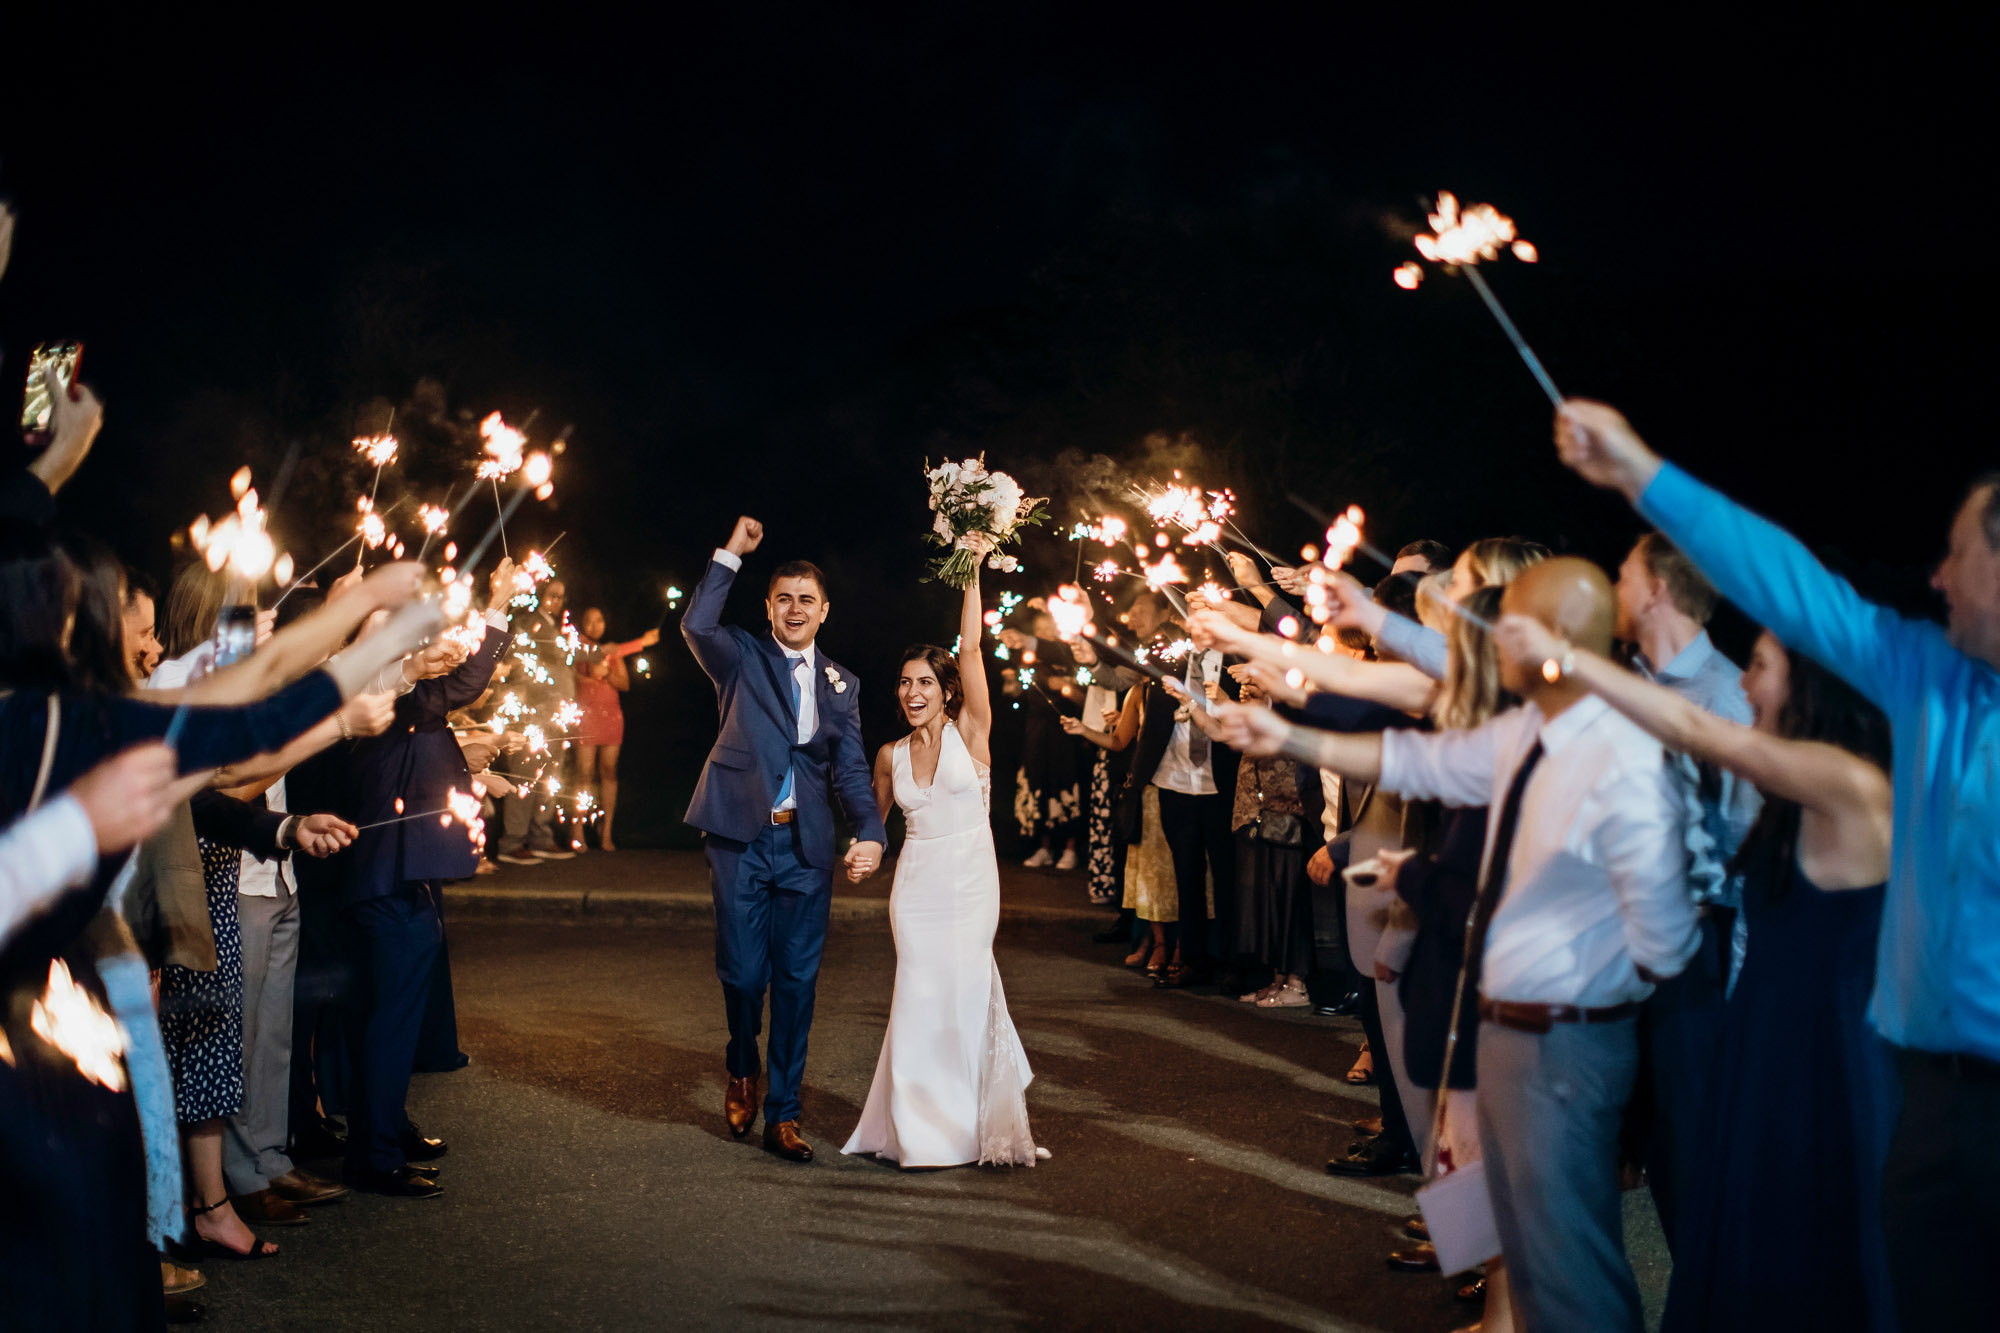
[(1937, 974)]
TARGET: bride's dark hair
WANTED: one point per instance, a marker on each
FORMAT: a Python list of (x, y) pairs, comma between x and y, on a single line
[(945, 667)]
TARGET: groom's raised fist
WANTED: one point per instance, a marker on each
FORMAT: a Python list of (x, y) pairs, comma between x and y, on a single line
[(749, 533)]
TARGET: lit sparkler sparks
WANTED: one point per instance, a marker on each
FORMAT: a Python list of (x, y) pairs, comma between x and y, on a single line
[(1070, 609), (379, 450), (372, 528), (1465, 237), (238, 540), (433, 517), (503, 446), (68, 1018)]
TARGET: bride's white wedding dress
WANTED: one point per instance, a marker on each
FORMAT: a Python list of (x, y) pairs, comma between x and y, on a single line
[(949, 1084)]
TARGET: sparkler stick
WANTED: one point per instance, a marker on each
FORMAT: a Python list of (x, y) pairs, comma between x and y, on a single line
[(457, 505), (1514, 336), (331, 556), (403, 819), (503, 518), (1109, 646)]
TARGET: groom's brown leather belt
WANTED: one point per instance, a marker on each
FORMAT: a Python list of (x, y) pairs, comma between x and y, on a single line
[(1542, 1017), (783, 816)]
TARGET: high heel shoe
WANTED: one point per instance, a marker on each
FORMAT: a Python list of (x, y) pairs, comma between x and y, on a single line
[(1156, 967), (201, 1247)]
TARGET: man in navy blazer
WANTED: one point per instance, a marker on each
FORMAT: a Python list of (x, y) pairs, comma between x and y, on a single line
[(790, 741), (389, 903)]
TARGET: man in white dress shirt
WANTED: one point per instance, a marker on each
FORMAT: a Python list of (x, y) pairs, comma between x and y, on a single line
[(1583, 904)]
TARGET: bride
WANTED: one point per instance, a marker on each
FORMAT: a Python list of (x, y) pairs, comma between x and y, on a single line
[(949, 1084)]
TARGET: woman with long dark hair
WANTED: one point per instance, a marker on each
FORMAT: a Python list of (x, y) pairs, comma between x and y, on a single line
[(949, 1085), (1783, 1227)]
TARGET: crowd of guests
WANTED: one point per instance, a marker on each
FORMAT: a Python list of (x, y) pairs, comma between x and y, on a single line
[(1611, 909), (222, 947)]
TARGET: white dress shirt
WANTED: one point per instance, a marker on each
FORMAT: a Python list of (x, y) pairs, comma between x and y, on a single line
[(1597, 878), (803, 666), (1177, 770), (42, 854), (258, 878)]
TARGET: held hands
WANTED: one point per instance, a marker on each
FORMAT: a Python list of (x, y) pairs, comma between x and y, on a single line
[(862, 859), (1242, 568), (1525, 639), (649, 638), (1595, 441), (129, 796), (1212, 630), (1073, 725), (747, 537), (323, 835)]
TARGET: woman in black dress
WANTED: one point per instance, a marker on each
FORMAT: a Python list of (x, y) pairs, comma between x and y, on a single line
[(1783, 1227)]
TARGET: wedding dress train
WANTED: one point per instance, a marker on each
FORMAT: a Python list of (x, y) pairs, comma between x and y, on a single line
[(950, 1082)]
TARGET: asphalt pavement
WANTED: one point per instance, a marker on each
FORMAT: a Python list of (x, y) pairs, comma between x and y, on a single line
[(592, 1184)]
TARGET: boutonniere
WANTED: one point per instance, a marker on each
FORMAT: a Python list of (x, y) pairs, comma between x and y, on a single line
[(839, 685)]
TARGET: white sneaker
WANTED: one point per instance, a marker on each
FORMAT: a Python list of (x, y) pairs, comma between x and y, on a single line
[(553, 854), (1068, 861), (518, 859), (1039, 859)]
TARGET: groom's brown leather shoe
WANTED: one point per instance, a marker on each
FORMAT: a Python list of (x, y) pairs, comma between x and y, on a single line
[(783, 1139), (739, 1103)]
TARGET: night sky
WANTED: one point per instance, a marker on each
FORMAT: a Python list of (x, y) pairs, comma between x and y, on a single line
[(770, 260)]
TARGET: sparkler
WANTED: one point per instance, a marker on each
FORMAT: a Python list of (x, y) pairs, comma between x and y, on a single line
[(504, 446), (68, 1018), (1353, 520), (462, 806), (1110, 647), (1462, 239), (381, 451)]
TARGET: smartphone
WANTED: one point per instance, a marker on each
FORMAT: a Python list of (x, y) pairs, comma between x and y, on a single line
[(52, 370), (235, 634)]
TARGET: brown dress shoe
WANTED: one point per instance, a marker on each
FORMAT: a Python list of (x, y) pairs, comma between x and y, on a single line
[(306, 1189), (783, 1139), (270, 1208), (739, 1103)]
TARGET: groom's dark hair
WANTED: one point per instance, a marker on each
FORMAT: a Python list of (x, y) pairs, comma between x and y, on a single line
[(798, 569)]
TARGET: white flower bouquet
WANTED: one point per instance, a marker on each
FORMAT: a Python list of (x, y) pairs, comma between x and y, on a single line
[(975, 513)]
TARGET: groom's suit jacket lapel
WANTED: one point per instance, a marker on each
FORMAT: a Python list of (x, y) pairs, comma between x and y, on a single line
[(777, 665)]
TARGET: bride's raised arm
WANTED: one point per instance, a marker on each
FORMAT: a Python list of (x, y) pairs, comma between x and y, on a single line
[(975, 717)]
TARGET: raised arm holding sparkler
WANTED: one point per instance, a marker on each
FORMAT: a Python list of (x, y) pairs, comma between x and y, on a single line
[(1393, 684)]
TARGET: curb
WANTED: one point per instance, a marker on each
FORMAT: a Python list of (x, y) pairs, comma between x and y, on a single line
[(612, 906)]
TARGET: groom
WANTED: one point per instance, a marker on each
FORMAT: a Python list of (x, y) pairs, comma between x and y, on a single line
[(791, 735)]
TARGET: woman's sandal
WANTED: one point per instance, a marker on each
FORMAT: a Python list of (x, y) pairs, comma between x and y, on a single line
[(201, 1247), (1156, 966), (1291, 995), (1363, 1072)]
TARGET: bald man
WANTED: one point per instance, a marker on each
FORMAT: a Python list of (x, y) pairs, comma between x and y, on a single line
[(1583, 904)]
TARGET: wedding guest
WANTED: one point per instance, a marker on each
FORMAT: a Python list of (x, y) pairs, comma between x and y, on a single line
[(1149, 895), (1191, 774), (1937, 979), (1048, 800), (143, 645), (1583, 900), (1664, 605), (390, 914), (1752, 1252), (600, 679), (1277, 800), (530, 832), (1105, 863)]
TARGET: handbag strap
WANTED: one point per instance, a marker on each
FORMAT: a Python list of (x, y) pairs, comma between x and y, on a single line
[(53, 730)]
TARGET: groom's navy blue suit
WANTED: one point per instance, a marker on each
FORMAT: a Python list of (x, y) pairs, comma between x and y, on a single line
[(773, 883)]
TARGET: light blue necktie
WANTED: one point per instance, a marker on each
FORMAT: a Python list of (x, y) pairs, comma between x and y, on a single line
[(798, 699)]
